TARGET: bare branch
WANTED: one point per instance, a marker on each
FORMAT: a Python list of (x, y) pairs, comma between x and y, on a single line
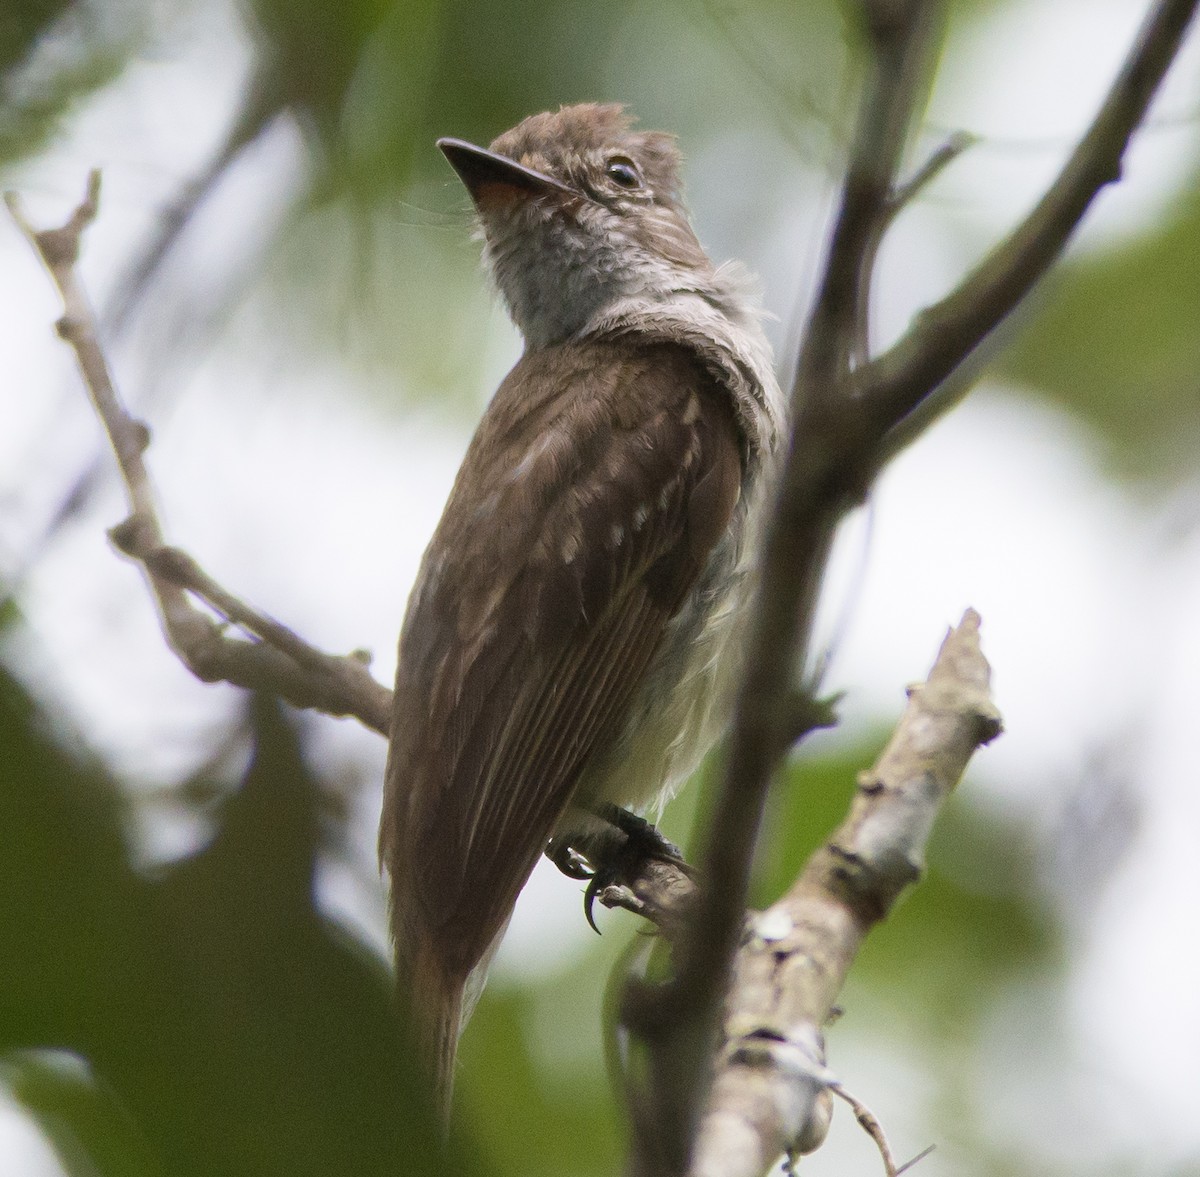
[(870, 1124), (944, 335), (944, 155), (900, 35), (818, 486), (767, 1095), (771, 1090), (278, 660), (843, 411)]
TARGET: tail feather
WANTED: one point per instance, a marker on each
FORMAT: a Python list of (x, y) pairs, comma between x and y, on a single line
[(436, 999)]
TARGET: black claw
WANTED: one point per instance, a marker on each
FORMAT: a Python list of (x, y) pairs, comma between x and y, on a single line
[(589, 900), (568, 859), (602, 858)]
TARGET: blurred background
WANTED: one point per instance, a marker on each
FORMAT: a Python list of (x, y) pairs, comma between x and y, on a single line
[(193, 960)]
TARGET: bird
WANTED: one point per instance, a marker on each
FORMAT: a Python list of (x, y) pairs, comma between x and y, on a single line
[(573, 638)]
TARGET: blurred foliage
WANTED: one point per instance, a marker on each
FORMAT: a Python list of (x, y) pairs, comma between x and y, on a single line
[(1113, 336), (377, 82), (208, 1019), (371, 83), (532, 1115), (53, 54), (217, 1010), (90, 1128)]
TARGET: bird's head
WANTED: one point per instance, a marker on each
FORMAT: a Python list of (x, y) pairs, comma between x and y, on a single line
[(578, 212)]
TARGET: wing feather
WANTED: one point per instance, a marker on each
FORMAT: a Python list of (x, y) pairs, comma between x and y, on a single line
[(538, 609)]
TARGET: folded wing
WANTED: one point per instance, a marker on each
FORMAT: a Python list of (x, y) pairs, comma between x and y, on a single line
[(597, 485)]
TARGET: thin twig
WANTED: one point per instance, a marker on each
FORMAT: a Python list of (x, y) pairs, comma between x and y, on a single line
[(783, 103), (279, 660), (912, 1162), (869, 1123), (941, 158), (900, 36)]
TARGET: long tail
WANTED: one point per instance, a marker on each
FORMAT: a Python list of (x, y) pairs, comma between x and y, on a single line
[(436, 1001)]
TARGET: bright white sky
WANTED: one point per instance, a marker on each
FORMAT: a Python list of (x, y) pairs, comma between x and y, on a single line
[(1085, 604)]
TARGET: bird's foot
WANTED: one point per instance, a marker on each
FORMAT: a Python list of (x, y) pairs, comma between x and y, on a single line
[(616, 851), (570, 861)]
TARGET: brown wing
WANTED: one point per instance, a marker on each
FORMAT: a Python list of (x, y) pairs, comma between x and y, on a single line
[(597, 484)]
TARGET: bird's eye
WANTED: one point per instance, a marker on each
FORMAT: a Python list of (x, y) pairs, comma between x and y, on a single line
[(623, 172)]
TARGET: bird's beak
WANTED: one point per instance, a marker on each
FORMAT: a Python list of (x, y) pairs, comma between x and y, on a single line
[(484, 172)]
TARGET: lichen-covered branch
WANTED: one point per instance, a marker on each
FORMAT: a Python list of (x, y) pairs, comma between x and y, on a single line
[(770, 1078), (770, 1092)]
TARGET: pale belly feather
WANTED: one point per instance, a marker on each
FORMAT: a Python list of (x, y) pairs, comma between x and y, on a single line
[(686, 699)]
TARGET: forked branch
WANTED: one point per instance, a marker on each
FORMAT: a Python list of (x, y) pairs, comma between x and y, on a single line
[(850, 413), (849, 418), (275, 659), (902, 380)]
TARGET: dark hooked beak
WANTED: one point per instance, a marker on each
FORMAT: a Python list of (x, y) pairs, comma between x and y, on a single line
[(477, 168)]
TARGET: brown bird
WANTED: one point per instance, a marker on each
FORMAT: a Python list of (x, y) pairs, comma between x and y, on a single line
[(574, 631)]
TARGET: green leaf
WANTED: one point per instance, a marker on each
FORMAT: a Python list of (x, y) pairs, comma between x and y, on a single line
[(92, 1131), (533, 1088), (245, 1033)]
